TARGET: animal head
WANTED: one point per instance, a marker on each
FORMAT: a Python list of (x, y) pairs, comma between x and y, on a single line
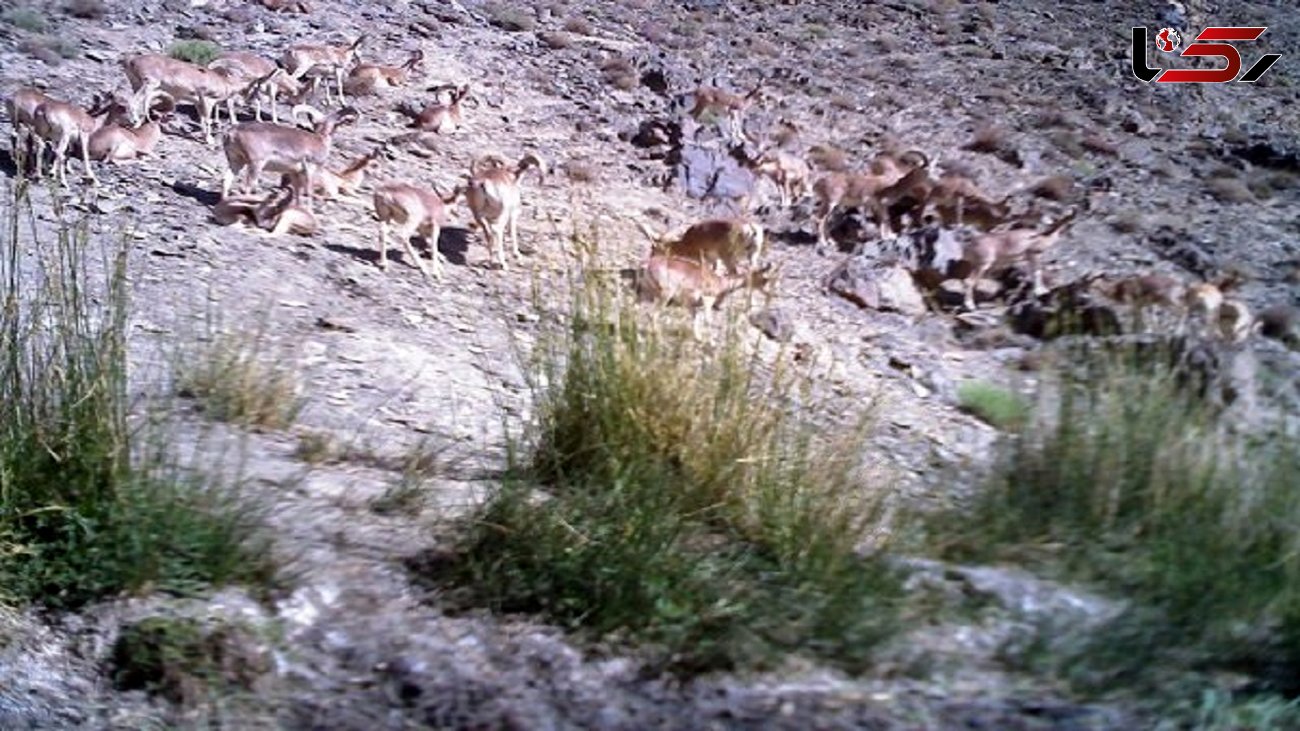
[(531, 160)]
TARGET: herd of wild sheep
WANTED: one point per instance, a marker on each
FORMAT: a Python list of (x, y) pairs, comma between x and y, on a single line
[(696, 267)]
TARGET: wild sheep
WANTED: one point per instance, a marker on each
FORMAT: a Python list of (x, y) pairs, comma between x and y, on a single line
[(671, 280), (406, 210), (859, 189), (719, 241), (992, 251), (492, 194), (254, 147)]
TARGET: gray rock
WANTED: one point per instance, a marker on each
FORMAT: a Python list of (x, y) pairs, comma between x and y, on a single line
[(890, 288)]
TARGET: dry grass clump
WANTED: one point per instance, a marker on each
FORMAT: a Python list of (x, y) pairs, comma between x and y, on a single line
[(1054, 188), (1230, 190), (85, 9), (555, 40), (510, 17)]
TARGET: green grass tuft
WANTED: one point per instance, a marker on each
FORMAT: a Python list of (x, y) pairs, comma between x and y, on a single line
[(998, 406), (89, 506), (1131, 481), (685, 507)]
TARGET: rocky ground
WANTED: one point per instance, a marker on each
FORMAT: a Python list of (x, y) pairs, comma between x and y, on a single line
[(1186, 179)]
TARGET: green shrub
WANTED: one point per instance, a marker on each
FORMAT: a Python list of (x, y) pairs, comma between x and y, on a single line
[(27, 19), (1132, 481), (685, 507), (195, 51), (184, 661), (90, 507), (996, 405)]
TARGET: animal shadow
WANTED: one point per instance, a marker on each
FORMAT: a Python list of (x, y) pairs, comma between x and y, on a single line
[(453, 243), (193, 192)]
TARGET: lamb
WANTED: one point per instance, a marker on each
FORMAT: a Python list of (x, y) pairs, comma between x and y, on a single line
[(116, 144), (711, 99), (668, 279), (1148, 290), (991, 251), (22, 106), (299, 60), (329, 184), (281, 213), (368, 78), (277, 213), (443, 117), (857, 189), (910, 192), (492, 193), (789, 172), (1203, 301), (60, 125), (263, 75), (407, 210), (956, 199), (1235, 322), (721, 241), (254, 147)]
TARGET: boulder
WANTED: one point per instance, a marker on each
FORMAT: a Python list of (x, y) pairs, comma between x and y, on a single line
[(889, 288)]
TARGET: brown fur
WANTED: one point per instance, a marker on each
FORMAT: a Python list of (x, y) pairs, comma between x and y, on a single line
[(989, 252), (716, 241), (711, 99), (492, 194), (858, 189), (406, 210), (671, 280)]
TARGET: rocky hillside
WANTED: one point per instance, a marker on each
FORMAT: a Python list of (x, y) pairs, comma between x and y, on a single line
[(1035, 101)]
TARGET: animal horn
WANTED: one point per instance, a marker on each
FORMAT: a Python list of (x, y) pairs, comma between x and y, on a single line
[(655, 238)]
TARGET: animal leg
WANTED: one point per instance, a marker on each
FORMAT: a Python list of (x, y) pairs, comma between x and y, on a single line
[(85, 160), (514, 234), (415, 255), (383, 245), (61, 159)]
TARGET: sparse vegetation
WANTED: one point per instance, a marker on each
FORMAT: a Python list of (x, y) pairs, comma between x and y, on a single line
[(1127, 222), (1129, 480), (1054, 188), (1099, 145), (403, 497), (315, 447), (555, 40), (685, 506), (195, 51), (619, 73), (89, 506), (185, 662), (998, 406), (1230, 190), (28, 19), (578, 25), (234, 379), (581, 171), (85, 9), (510, 17)]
